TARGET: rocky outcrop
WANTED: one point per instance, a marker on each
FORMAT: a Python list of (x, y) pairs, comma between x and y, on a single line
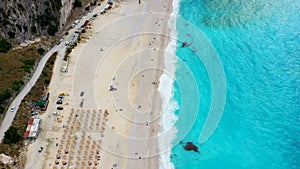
[(67, 6), (190, 146), (26, 19)]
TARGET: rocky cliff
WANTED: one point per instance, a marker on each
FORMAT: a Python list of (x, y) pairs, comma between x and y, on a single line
[(26, 19)]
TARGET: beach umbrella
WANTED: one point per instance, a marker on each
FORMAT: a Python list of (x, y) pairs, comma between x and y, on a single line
[(64, 163)]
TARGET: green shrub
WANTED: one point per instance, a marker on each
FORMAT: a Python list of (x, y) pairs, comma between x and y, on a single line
[(11, 34), (52, 29), (21, 82), (77, 3), (4, 45), (2, 108), (16, 87), (41, 51), (45, 73), (11, 136), (5, 95), (33, 29), (21, 8), (47, 81), (28, 64)]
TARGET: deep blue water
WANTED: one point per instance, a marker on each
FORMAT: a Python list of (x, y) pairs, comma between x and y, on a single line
[(258, 44)]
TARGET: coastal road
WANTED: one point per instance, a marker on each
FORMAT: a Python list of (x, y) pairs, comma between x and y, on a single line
[(9, 116)]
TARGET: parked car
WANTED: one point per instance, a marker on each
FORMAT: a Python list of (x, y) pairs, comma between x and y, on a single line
[(12, 109), (33, 113), (56, 113), (41, 149), (60, 108), (59, 102)]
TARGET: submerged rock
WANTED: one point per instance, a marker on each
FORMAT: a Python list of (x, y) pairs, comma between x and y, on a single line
[(190, 146)]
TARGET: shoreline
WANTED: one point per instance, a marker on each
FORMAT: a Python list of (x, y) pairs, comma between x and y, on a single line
[(166, 91)]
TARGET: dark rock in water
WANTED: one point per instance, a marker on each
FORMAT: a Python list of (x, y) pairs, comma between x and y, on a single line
[(190, 146)]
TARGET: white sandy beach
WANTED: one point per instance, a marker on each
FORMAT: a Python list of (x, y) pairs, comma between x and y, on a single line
[(124, 49)]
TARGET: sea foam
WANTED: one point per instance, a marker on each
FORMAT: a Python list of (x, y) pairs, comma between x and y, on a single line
[(168, 131)]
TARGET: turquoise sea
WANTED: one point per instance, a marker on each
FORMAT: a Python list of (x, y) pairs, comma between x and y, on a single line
[(258, 44)]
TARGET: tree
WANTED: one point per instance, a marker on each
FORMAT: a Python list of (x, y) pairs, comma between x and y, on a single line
[(2, 108), (11, 136), (47, 81), (77, 3), (4, 45), (52, 29), (41, 51), (5, 95)]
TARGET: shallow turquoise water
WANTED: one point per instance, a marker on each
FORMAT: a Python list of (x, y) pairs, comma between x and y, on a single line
[(258, 43)]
